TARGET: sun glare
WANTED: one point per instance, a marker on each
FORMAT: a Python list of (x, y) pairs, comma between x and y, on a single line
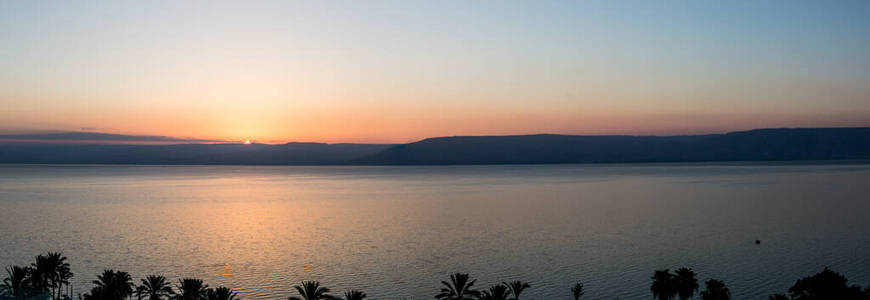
[(247, 142)]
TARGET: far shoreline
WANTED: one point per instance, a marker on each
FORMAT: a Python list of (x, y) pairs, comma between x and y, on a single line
[(596, 164)]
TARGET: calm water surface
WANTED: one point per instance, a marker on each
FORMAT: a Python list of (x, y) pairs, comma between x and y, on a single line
[(396, 232)]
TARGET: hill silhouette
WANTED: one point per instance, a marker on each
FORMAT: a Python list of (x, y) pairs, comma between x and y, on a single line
[(753, 145), (196, 154)]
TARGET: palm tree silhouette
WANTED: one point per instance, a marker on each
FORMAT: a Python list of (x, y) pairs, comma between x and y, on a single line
[(311, 290), (663, 286), (49, 273), (686, 283), (516, 288), (111, 285), (715, 290), (64, 275), (577, 290), (459, 288), (354, 295), (221, 293), (15, 283), (495, 292), (61, 273), (154, 287), (41, 273), (191, 289)]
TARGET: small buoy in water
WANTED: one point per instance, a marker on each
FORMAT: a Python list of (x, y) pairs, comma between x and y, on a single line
[(757, 242)]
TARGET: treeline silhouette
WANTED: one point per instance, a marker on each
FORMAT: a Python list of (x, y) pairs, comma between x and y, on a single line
[(48, 278)]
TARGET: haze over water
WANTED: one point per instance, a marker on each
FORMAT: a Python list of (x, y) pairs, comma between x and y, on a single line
[(398, 231)]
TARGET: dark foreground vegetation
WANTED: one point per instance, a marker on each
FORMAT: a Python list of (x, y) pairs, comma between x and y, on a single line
[(48, 278)]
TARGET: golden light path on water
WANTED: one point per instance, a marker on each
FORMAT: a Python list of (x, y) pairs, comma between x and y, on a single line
[(398, 231)]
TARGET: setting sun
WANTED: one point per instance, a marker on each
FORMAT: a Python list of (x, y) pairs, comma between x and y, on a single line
[(247, 142)]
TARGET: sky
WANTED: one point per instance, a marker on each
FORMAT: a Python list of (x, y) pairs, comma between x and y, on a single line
[(400, 71)]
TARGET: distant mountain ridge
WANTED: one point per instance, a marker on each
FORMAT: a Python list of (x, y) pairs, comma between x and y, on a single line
[(752, 145), (180, 154)]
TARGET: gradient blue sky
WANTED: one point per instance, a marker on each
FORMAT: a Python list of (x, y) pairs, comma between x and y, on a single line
[(397, 71)]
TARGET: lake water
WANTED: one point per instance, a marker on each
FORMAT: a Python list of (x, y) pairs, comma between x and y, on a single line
[(396, 232)]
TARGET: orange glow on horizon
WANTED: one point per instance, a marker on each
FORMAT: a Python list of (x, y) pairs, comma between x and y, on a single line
[(345, 72), (395, 128)]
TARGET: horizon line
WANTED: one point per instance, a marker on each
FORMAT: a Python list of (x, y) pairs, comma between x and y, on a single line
[(61, 137)]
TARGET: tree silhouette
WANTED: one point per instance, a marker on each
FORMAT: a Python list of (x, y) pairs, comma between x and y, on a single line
[(686, 283), (516, 288), (154, 287), (824, 285), (311, 290), (664, 285), (61, 273), (221, 293), (191, 289), (577, 290), (495, 292), (111, 285), (49, 273), (354, 295), (715, 290), (15, 283), (459, 288), (41, 273), (64, 275)]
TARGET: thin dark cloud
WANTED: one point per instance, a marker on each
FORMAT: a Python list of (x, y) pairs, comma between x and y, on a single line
[(100, 138), (96, 129)]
